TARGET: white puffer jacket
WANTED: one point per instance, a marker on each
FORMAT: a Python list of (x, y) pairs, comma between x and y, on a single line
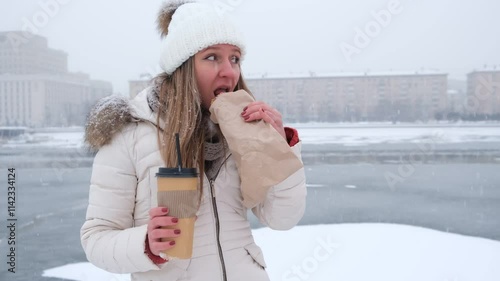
[(123, 190)]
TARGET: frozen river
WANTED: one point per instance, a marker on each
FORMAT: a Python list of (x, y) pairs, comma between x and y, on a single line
[(447, 185), (459, 198)]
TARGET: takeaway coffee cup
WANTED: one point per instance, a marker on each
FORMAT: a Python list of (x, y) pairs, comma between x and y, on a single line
[(178, 191)]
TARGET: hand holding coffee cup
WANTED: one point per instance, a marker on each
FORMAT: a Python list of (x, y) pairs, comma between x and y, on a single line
[(159, 220), (177, 191)]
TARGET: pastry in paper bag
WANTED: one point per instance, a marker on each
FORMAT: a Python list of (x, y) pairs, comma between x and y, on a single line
[(262, 156)]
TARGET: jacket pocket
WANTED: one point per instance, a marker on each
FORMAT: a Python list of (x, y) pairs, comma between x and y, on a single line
[(256, 253), (173, 270)]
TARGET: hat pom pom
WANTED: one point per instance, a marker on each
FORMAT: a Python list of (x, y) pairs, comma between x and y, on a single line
[(165, 15)]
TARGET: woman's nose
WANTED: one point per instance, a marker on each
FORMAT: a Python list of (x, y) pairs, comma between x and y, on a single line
[(228, 69)]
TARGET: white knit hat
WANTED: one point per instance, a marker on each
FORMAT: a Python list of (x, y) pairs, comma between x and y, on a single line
[(194, 27)]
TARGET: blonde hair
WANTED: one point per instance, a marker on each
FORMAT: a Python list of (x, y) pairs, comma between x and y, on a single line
[(180, 110)]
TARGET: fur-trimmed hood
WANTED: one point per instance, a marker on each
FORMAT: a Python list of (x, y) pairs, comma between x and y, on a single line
[(111, 114)]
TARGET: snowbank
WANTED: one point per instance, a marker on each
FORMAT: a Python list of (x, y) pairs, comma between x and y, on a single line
[(356, 252), (327, 133)]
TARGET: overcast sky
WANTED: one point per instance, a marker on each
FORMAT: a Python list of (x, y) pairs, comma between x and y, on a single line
[(117, 40)]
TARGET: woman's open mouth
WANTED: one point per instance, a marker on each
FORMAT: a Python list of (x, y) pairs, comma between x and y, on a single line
[(221, 90)]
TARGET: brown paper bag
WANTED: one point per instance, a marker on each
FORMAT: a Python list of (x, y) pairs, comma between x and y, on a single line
[(262, 156)]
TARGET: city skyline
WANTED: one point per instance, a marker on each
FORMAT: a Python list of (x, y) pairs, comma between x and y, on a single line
[(36, 88), (286, 37)]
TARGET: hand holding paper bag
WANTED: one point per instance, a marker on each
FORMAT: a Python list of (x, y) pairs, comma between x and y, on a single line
[(262, 156)]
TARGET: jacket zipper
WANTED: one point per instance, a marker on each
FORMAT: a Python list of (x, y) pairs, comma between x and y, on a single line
[(217, 224)]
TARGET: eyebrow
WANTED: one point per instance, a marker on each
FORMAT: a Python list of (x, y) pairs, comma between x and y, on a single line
[(234, 49)]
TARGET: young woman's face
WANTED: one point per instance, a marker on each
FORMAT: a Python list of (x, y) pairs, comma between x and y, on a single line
[(217, 70)]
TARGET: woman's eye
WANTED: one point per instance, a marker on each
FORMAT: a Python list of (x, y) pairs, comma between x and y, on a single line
[(235, 59), (211, 57)]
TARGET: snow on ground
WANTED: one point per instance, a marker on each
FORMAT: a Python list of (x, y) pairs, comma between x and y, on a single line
[(48, 139), (356, 252), (351, 134)]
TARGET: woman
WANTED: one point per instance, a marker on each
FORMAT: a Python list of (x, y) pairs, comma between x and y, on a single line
[(201, 58)]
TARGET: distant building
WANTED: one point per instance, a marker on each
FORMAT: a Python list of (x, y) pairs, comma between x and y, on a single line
[(350, 97), (39, 100), (36, 90), (483, 92), (456, 101), (20, 55)]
